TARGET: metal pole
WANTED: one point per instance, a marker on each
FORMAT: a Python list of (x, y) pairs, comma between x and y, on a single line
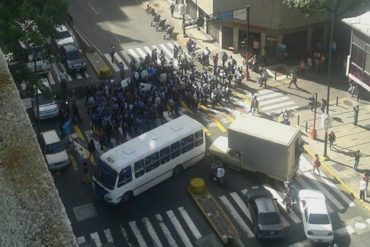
[(36, 96), (314, 115), (247, 42), (329, 75), (183, 20)]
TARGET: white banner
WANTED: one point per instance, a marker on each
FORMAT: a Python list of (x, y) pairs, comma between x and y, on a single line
[(240, 14)]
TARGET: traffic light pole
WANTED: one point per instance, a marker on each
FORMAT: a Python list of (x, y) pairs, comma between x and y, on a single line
[(247, 43)]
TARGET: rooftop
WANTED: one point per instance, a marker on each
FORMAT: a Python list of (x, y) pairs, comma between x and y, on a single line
[(360, 23)]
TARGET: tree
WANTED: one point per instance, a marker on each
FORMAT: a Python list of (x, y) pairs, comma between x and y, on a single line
[(32, 22), (341, 8)]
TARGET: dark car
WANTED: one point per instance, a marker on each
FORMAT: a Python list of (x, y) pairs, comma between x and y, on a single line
[(265, 215), (72, 59)]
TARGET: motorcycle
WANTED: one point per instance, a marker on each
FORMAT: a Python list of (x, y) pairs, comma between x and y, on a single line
[(288, 203), (155, 21), (149, 10), (218, 172), (168, 32), (161, 24), (285, 118)]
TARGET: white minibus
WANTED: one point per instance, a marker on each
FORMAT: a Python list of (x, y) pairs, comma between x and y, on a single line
[(139, 164)]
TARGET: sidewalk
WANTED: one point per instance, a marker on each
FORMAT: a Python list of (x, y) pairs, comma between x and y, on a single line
[(349, 138)]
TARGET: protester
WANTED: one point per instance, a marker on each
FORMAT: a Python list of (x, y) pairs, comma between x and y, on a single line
[(316, 164)]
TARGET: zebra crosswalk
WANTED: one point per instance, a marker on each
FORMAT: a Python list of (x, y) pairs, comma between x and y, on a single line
[(178, 227), (57, 67), (273, 102), (127, 55)]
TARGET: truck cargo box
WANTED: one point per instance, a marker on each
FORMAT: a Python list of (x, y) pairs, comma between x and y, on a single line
[(265, 146)]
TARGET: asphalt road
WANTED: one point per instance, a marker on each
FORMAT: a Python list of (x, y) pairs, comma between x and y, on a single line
[(125, 24)]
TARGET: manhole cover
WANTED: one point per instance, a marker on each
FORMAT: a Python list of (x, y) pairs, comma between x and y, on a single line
[(348, 102), (84, 212)]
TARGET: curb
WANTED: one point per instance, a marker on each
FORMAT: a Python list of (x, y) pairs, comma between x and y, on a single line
[(343, 184)]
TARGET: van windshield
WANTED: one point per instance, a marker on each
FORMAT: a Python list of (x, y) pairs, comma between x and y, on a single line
[(105, 175), (54, 148)]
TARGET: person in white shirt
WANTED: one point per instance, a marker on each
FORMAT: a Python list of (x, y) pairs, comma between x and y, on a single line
[(362, 189)]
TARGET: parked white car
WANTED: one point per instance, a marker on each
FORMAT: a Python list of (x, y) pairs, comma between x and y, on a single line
[(53, 149), (64, 36), (48, 108), (315, 217)]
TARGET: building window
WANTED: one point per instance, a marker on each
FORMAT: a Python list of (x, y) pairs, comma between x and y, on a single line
[(357, 56)]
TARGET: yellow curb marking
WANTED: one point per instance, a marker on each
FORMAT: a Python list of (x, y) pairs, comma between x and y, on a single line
[(246, 100), (218, 124), (344, 185), (207, 131), (73, 162), (78, 132)]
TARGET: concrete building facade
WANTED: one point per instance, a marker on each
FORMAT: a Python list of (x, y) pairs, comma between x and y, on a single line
[(272, 24), (358, 60)]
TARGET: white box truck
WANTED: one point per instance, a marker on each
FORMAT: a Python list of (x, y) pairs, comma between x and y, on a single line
[(260, 145)]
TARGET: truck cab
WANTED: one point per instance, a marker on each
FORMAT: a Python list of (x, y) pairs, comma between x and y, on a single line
[(220, 149)]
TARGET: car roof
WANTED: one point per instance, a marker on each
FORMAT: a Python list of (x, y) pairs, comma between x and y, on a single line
[(70, 48), (257, 192), (315, 201), (265, 205), (50, 136), (61, 28)]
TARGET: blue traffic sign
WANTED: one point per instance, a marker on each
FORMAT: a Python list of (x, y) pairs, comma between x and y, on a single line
[(225, 16)]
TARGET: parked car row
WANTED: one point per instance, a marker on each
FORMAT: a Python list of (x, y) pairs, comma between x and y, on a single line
[(267, 220)]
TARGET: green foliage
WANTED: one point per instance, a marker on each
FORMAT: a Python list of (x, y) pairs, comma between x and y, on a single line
[(32, 22), (306, 6)]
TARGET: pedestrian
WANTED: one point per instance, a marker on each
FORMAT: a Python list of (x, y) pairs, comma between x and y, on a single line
[(85, 178), (172, 9), (357, 159), (63, 82), (294, 79), (112, 51), (75, 112), (121, 67), (92, 149), (331, 138), (254, 105), (263, 78), (356, 109), (224, 59), (215, 61), (362, 189), (366, 178), (316, 164), (323, 105)]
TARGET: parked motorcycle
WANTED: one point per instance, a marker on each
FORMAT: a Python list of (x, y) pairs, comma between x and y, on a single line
[(155, 21), (168, 32), (161, 25), (218, 172)]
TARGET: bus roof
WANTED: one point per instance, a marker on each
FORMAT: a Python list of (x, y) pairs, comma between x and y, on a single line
[(155, 139)]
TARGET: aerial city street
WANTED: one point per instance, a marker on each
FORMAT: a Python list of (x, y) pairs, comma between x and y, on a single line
[(205, 123)]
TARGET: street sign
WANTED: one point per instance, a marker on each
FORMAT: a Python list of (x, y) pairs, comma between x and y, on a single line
[(240, 14), (225, 16)]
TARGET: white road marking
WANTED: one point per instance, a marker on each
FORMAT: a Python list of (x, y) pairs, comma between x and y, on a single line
[(124, 234), (137, 234), (277, 106), (79, 76), (280, 200), (344, 230), (165, 231), (86, 74), (141, 53), (179, 228), (119, 59), (170, 55), (95, 237), (147, 49), (190, 223), (245, 228), (81, 240), (51, 79), (114, 65), (268, 96), (133, 54), (306, 163), (93, 8), (273, 100), (69, 78), (241, 205), (108, 235), (126, 57), (152, 233)]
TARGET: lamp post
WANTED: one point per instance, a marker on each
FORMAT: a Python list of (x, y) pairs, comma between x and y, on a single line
[(183, 18), (247, 43), (329, 75)]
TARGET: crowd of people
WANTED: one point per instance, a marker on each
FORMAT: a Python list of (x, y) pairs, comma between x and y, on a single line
[(120, 110)]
